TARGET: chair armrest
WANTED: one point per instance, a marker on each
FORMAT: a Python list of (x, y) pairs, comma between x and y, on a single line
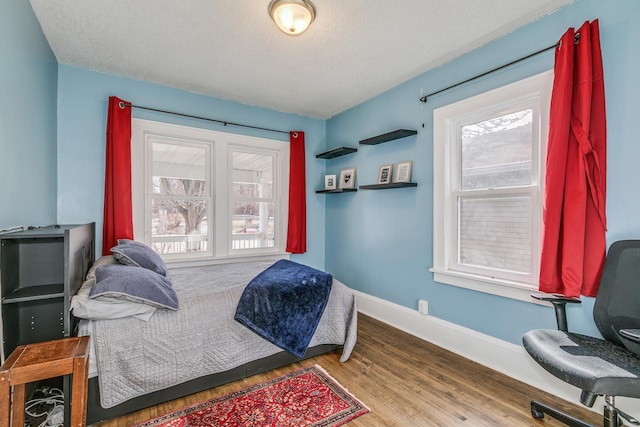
[(559, 304), (632, 334), (555, 298)]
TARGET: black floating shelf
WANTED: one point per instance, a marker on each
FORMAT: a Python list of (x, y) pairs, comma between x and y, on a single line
[(387, 186), (339, 190), (396, 134), (337, 152)]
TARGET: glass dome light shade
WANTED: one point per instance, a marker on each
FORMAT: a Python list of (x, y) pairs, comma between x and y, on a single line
[(293, 17)]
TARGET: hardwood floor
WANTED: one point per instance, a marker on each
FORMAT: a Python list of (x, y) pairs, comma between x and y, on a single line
[(405, 382)]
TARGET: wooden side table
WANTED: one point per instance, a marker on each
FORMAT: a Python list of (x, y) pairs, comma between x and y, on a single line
[(39, 361)]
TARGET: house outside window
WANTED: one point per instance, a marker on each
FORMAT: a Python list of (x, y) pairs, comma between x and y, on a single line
[(254, 206), (201, 196), (489, 153)]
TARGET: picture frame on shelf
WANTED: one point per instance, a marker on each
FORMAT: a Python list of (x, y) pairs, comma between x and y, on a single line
[(347, 178), (385, 174), (403, 172), (329, 182)]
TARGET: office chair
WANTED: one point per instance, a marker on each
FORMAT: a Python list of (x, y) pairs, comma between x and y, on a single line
[(606, 367)]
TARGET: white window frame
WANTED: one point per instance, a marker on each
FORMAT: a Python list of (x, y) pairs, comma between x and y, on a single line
[(273, 198), (143, 132), (533, 92)]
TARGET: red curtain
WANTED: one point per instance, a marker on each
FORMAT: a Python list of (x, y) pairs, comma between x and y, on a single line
[(297, 231), (574, 218), (117, 221)]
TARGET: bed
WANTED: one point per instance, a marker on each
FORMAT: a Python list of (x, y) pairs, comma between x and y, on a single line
[(143, 358)]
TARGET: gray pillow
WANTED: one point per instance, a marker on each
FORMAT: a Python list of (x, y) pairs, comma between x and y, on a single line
[(130, 252), (106, 308), (134, 284), (103, 260)]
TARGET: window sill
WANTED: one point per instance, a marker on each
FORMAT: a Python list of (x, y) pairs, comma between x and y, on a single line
[(499, 287), (226, 260)]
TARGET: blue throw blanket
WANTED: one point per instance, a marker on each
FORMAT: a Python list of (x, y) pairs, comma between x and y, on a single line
[(284, 303)]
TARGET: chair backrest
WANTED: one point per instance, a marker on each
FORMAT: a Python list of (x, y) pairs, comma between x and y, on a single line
[(617, 304)]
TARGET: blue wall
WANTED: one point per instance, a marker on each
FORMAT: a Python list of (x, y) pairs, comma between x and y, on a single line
[(28, 79), (82, 111), (380, 242)]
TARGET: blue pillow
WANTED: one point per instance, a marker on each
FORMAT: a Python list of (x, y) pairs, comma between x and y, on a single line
[(134, 284), (130, 252)]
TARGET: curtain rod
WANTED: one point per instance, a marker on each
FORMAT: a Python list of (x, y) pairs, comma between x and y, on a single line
[(424, 98), (224, 122)]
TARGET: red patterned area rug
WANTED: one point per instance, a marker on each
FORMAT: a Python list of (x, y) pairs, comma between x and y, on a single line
[(306, 397)]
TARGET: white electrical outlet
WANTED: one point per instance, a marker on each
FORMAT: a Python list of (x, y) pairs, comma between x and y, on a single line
[(423, 306)]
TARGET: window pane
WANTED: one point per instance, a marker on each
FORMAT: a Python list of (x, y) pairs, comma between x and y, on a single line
[(179, 226), (253, 215), (178, 220), (253, 225), (495, 232), (252, 175), (496, 153), (178, 169)]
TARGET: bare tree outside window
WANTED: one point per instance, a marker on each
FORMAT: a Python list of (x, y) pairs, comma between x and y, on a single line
[(495, 229), (496, 153), (180, 202)]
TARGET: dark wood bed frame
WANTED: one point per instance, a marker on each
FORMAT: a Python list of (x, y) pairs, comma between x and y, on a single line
[(96, 413)]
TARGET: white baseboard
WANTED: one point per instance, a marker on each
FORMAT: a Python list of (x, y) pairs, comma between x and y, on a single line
[(502, 356)]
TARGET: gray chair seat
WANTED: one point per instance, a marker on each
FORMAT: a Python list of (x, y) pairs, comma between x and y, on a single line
[(589, 363)]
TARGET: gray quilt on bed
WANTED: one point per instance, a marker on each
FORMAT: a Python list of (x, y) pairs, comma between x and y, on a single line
[(201, 338)]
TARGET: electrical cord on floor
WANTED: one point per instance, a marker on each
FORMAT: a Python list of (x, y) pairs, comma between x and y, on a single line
[(54, 400)]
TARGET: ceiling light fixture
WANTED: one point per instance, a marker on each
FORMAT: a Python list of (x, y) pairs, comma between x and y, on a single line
[(293, 17)]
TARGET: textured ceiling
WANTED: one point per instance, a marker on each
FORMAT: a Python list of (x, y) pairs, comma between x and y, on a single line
[(230, 49)]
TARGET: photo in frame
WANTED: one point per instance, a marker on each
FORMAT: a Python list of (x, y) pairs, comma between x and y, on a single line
[(329, 182), (403, 172), (384, 174), (347, 178)]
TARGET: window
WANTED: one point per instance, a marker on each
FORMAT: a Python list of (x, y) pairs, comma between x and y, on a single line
[(179, 195), (201, 195), (489, 153), (253, 201)]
